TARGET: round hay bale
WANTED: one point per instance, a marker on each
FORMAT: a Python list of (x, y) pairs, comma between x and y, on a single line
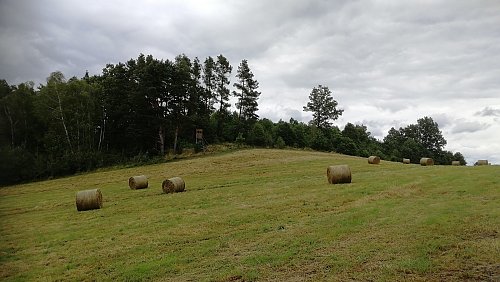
[(455, 163), (406, 161), (373, 160), (482, 162), (173, 185), (426, 161), (338, 174), (138, 182), (88, 200)]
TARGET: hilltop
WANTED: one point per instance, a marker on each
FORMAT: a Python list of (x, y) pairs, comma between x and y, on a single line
[(258, 214)]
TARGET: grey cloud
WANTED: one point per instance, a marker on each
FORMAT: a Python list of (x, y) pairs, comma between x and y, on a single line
[(488, 112), (378, 129), (443, 120), (293, 113), (462, 126), (393, 106)]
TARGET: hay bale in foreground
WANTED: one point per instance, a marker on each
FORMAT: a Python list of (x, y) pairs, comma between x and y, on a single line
[(373, 160), (481, 162), (426, 161), (406, 161), (88, 200), (455, 162), (173, 185), (138, 182), (338, 174)]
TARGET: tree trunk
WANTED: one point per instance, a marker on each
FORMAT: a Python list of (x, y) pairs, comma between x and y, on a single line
[(77, 132), (90, 135), (175, 139), (103, 129), (241, 99), (9, 116), (239, 114), (63, 122), (161, 133), (25, 131), (219, 119)]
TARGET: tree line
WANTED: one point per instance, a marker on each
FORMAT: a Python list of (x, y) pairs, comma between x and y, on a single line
[(139, 110)]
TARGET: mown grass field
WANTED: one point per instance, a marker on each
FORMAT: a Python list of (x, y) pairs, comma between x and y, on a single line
[(258, 215)]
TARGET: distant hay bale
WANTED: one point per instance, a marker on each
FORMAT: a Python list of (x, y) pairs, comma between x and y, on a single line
[(406, 161), (338, 174), (455, 163), (88, 200), (482, 162), (138, 182), (373, 160), (426, 161), (173, 185)]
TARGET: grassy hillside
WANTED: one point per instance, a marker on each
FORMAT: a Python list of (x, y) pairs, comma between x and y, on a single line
[(258, 215)]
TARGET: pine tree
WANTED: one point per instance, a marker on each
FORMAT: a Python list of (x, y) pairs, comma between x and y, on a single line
[(247, 94), (222, 73), (210, 82)]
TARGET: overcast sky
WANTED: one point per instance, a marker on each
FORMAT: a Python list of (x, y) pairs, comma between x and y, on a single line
[(388, 63)]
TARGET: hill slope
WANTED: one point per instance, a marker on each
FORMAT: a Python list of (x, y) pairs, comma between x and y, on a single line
[(258, 215)]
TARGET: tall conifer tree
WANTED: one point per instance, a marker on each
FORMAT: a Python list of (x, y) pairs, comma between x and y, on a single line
[(247, 93)]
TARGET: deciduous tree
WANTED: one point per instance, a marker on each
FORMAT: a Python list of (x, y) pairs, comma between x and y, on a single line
[(323, 107)]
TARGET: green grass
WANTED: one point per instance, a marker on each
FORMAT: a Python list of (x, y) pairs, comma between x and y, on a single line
[(257, 215)]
